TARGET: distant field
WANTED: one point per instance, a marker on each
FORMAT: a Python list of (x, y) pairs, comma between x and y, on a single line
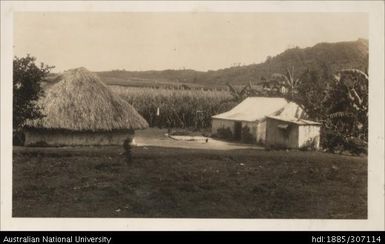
[(155, 83), (177, 108), (183, 183), (137, 82)]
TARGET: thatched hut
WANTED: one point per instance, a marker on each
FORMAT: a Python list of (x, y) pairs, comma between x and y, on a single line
[(81, 110)]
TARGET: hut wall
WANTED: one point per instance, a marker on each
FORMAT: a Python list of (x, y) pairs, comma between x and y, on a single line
[(73, 138), (309, 134), (277, 137), (221, 123)]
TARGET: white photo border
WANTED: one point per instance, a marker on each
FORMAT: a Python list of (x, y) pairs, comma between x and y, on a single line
[(375, 221)]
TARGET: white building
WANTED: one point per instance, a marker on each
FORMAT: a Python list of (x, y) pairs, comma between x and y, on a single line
[(253, 112), (292, 133)]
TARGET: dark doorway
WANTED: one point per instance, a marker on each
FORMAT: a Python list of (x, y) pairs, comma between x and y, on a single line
[(237, 130)]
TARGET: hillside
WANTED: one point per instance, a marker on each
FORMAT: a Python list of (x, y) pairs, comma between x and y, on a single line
[(332, 56)]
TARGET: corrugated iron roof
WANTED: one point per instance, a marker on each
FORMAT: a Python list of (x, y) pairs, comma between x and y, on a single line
[(294, 120), (257, 108)]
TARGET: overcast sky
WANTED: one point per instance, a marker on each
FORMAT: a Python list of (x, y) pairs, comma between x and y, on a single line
[(156, 41)]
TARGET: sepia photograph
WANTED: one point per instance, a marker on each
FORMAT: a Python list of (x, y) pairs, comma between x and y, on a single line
[(190, 114)]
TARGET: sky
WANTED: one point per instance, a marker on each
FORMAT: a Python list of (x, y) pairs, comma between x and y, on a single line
[(157, 41)]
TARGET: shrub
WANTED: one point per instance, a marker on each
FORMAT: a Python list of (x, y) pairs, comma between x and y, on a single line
[(246, 136), (225, 133), (356, 146), (336, 142), (310, 145), (276, 147), (332, 141), (18, 138)]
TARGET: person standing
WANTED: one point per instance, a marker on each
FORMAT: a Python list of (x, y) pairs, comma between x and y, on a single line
[(127, 149)]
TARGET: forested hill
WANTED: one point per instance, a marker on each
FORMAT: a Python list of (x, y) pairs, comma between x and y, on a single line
[(333, 56)]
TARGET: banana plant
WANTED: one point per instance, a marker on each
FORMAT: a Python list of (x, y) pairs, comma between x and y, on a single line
[(289, 80), (239, 95), (346, 101), (356, 83)]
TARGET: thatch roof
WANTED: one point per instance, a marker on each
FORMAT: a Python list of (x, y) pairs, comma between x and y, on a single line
[(82, 102)]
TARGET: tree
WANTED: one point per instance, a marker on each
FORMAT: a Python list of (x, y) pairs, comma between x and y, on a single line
[(27, 89), (347, 109), (340, 103), (356, 83), (311, 93)]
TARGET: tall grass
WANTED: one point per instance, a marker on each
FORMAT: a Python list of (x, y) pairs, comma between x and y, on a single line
[(177, 108)]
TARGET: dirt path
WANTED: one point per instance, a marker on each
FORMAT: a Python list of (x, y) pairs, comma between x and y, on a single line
[(158, 138)]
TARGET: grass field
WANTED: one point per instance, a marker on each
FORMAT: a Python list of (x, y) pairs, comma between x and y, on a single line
[(183, 183)]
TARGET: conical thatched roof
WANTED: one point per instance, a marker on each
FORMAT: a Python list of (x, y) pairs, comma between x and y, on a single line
[(82, 102)]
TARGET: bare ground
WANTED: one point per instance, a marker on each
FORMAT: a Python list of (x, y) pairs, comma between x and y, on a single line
[(158, 138)]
